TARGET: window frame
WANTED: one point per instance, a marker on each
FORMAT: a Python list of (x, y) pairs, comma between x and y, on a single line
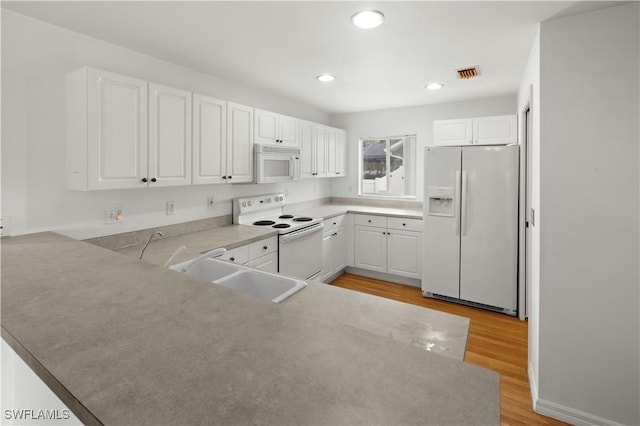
[(409, 163)]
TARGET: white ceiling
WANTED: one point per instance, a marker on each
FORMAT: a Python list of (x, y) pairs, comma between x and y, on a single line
[(280, 47)]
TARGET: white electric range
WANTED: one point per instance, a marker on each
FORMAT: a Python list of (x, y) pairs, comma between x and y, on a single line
[(299, 237)]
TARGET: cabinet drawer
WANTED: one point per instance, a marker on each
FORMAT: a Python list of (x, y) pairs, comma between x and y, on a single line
[(263, 247), (402, 223), (371, 220), (334, 223), (237, 255)]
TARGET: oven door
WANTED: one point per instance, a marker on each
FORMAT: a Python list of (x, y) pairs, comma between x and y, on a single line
[(300, 252), (277, 167)]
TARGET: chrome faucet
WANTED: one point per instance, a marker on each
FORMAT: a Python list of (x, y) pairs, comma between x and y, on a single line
[(148, 241)]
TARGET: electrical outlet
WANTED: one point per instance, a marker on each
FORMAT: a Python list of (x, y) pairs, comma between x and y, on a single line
[(171, 207), (210, 202), (114, 215), (5, 226)]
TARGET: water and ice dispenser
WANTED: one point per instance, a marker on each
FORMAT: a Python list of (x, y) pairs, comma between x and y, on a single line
[(441, 201)]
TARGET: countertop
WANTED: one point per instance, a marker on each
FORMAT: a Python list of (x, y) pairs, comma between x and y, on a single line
[(330, 210), (127, 342)]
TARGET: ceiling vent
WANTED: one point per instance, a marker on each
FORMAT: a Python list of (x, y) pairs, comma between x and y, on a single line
[(467, 73)]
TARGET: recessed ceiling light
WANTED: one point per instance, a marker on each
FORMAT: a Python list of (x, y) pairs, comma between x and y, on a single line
[(367, 19), (326, 77), (434, 86)]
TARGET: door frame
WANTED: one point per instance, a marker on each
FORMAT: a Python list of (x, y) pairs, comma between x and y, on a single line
[(525, 117)]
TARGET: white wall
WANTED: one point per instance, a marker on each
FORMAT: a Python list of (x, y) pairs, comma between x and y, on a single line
[(529, 95), (405, 121), (36, 56), (589, 357)]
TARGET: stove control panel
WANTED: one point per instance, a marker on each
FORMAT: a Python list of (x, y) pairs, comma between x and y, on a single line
[(256, 204)]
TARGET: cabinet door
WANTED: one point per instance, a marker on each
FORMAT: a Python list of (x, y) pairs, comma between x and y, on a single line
[(209, 140), (268, 263), (307, 145), (339, 249), (332, 153), (501, 129), (288, 131), (320, 151), (327, 256), (266, 127), (404, 253), (371, 248), (341, 153), (169, 136), (116, 130), (239, 143), (452, 132)]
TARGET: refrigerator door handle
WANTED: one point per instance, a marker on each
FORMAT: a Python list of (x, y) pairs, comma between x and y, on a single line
[(463, 214), (457, 197)]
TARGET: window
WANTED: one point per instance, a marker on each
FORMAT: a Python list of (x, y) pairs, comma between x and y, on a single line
[(387, 166)]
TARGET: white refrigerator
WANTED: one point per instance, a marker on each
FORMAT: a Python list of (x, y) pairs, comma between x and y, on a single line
[(471, 225)]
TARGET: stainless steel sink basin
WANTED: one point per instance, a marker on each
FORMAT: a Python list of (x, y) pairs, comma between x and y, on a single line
[(259, 284)]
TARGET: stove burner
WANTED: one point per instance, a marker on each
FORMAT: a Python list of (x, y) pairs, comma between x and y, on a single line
[(286, 216), (264, 222), (302, 219), (281, 225)]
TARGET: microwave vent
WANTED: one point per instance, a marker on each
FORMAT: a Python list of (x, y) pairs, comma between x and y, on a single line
[(468, 73)]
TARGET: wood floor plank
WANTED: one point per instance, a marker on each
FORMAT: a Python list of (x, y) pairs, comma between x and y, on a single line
[(496, 341)]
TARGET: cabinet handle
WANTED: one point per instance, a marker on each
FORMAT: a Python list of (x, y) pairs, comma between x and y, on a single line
[(334, 223), (229, 177), (384, 233), (144, 180), (224, 177), (233, 259), (369, 220), (404, 224), (264, 247), (334, 234), (153, 179)]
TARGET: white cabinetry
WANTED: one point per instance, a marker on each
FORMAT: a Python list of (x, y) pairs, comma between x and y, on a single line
[(334, 247), (221, 156), (239, 167), (261, 255), (390, 245), (125, 133), (106, 121), (275, 129), (169, 136), (494, 130), (323, 150), (209, 140)]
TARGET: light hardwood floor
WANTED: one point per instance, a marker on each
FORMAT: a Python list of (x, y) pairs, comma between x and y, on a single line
[(496, 341)]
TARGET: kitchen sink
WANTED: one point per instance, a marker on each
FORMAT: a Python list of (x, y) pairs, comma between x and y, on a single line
[(252, 282)]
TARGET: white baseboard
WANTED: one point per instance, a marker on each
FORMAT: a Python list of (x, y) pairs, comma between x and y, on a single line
[(561, 412), (384, 277)]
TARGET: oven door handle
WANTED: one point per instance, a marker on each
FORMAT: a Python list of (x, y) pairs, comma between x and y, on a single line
[(285, 238)]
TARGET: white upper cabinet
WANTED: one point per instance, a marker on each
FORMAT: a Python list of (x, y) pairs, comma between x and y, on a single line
[(169, 136), (452, 132), (307, 148), (494, 130), (209, 140), (106, 121), (275, 129), (501, 129), (239, 143), (341, 153), (323, 150)]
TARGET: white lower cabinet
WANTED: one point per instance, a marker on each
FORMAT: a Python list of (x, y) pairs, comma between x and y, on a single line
[(262, 255), (334, 246), (388, 245)]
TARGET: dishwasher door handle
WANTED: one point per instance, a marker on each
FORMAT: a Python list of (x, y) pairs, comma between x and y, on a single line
[(285, 238)]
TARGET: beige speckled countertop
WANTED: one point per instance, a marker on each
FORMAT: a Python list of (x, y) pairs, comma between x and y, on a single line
[(160, 250), (127, 342), (330, 210)]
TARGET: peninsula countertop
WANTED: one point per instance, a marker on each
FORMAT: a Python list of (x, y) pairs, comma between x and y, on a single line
[(128, 342)]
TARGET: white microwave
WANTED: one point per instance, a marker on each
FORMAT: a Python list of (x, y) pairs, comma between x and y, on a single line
[(276, 164)]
